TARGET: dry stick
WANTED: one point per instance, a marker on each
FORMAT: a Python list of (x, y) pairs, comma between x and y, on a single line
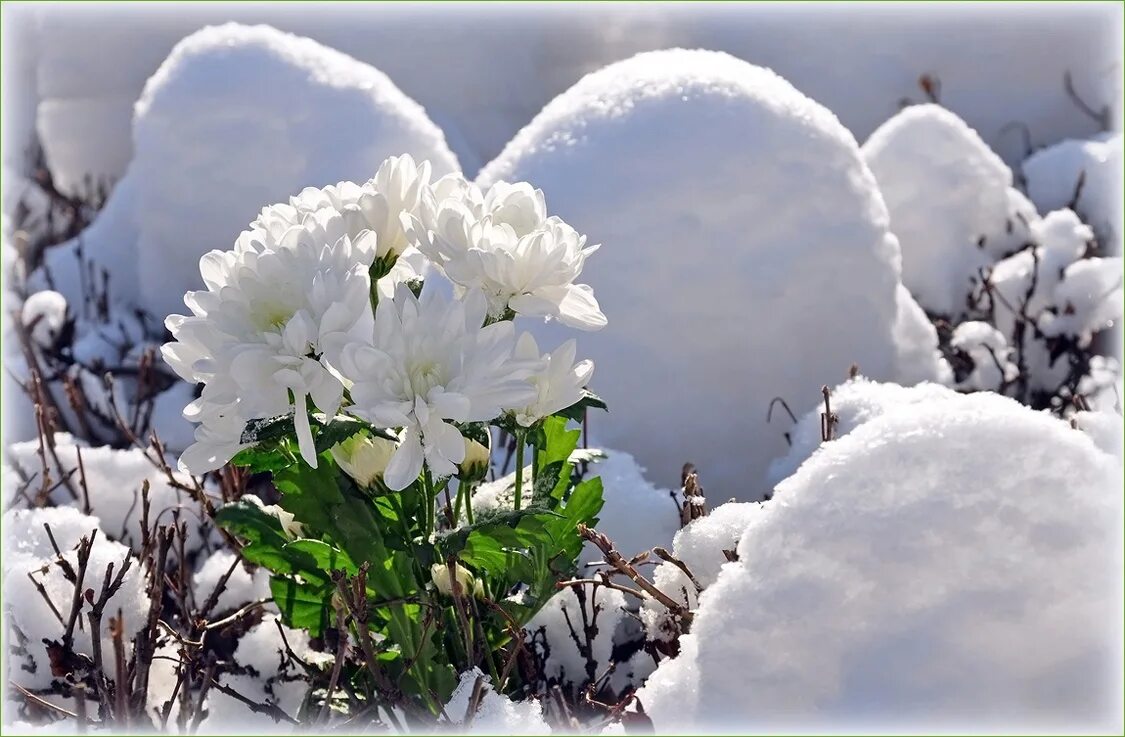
[(82, 481), (474, 703), (43, 592), (359, 619), (156, 598), (84, 547), (110, 586), (828, 419), (519, 636), (663, 554), (237, 615), (208, 679), (614, 558), (271, 710), (600, 582), (117, 633), (337, 666), (43, 702)]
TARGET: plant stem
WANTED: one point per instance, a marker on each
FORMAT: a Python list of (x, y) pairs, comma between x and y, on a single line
[(428, 483), (464, 492), (519, 471)]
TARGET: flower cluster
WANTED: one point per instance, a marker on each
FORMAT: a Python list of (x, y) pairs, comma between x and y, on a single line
[(320, 310)]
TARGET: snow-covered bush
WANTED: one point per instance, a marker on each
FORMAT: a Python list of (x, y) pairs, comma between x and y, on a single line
[(951, 202), (1016, 299), (43, 553), (1084, 176), (736, 215), (955, 558)]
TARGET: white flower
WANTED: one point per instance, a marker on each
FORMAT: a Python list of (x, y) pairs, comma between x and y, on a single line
[(558, 386), (364, 457), (376, 205), (504, 244), (258, 336), (429, 364)]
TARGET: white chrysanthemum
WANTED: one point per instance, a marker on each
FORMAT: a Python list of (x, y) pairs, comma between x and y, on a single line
[(376, 205), (257, 337), (503, 243), (428, 364), (558, 386)]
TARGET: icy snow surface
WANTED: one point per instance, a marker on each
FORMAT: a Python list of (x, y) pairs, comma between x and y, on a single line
[(737, 218), (956, 561)]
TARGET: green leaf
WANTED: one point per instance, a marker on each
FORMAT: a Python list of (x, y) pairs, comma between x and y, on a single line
[(327, 557), (303, 605), (577, 410)]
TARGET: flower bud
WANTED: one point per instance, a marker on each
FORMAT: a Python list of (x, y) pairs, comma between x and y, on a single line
[(465, 578), (363, 457), (475, 465)]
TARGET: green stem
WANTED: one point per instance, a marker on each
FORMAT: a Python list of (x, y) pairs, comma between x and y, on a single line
[(519, 471), (464, 494), (428, 484)]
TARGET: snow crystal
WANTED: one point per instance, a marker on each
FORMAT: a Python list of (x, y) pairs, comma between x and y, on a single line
[(496, 713), (564, 617), (960, 561), (236, 118), (951, 203), (27, 549), (1053, 175), (736, 215)]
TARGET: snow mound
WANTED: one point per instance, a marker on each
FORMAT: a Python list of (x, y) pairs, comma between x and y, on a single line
[(854, 402), (960, 561), (565, 617), (700, 546), (496, 713), (114, 483), (27, 549), (235, 118), (272, 677), (1053, 176), (951, 203), (241, 588), (735, 214), (636, 515), (919, 358)]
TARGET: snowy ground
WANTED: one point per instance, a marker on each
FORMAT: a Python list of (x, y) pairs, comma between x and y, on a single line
[(874, 295)]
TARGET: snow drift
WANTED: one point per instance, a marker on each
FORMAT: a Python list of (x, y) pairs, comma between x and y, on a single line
[(956, 560)]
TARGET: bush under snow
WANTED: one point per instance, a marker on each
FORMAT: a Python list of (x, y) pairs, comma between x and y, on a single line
[(956, 561), (1084, 175), (736, 215)]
